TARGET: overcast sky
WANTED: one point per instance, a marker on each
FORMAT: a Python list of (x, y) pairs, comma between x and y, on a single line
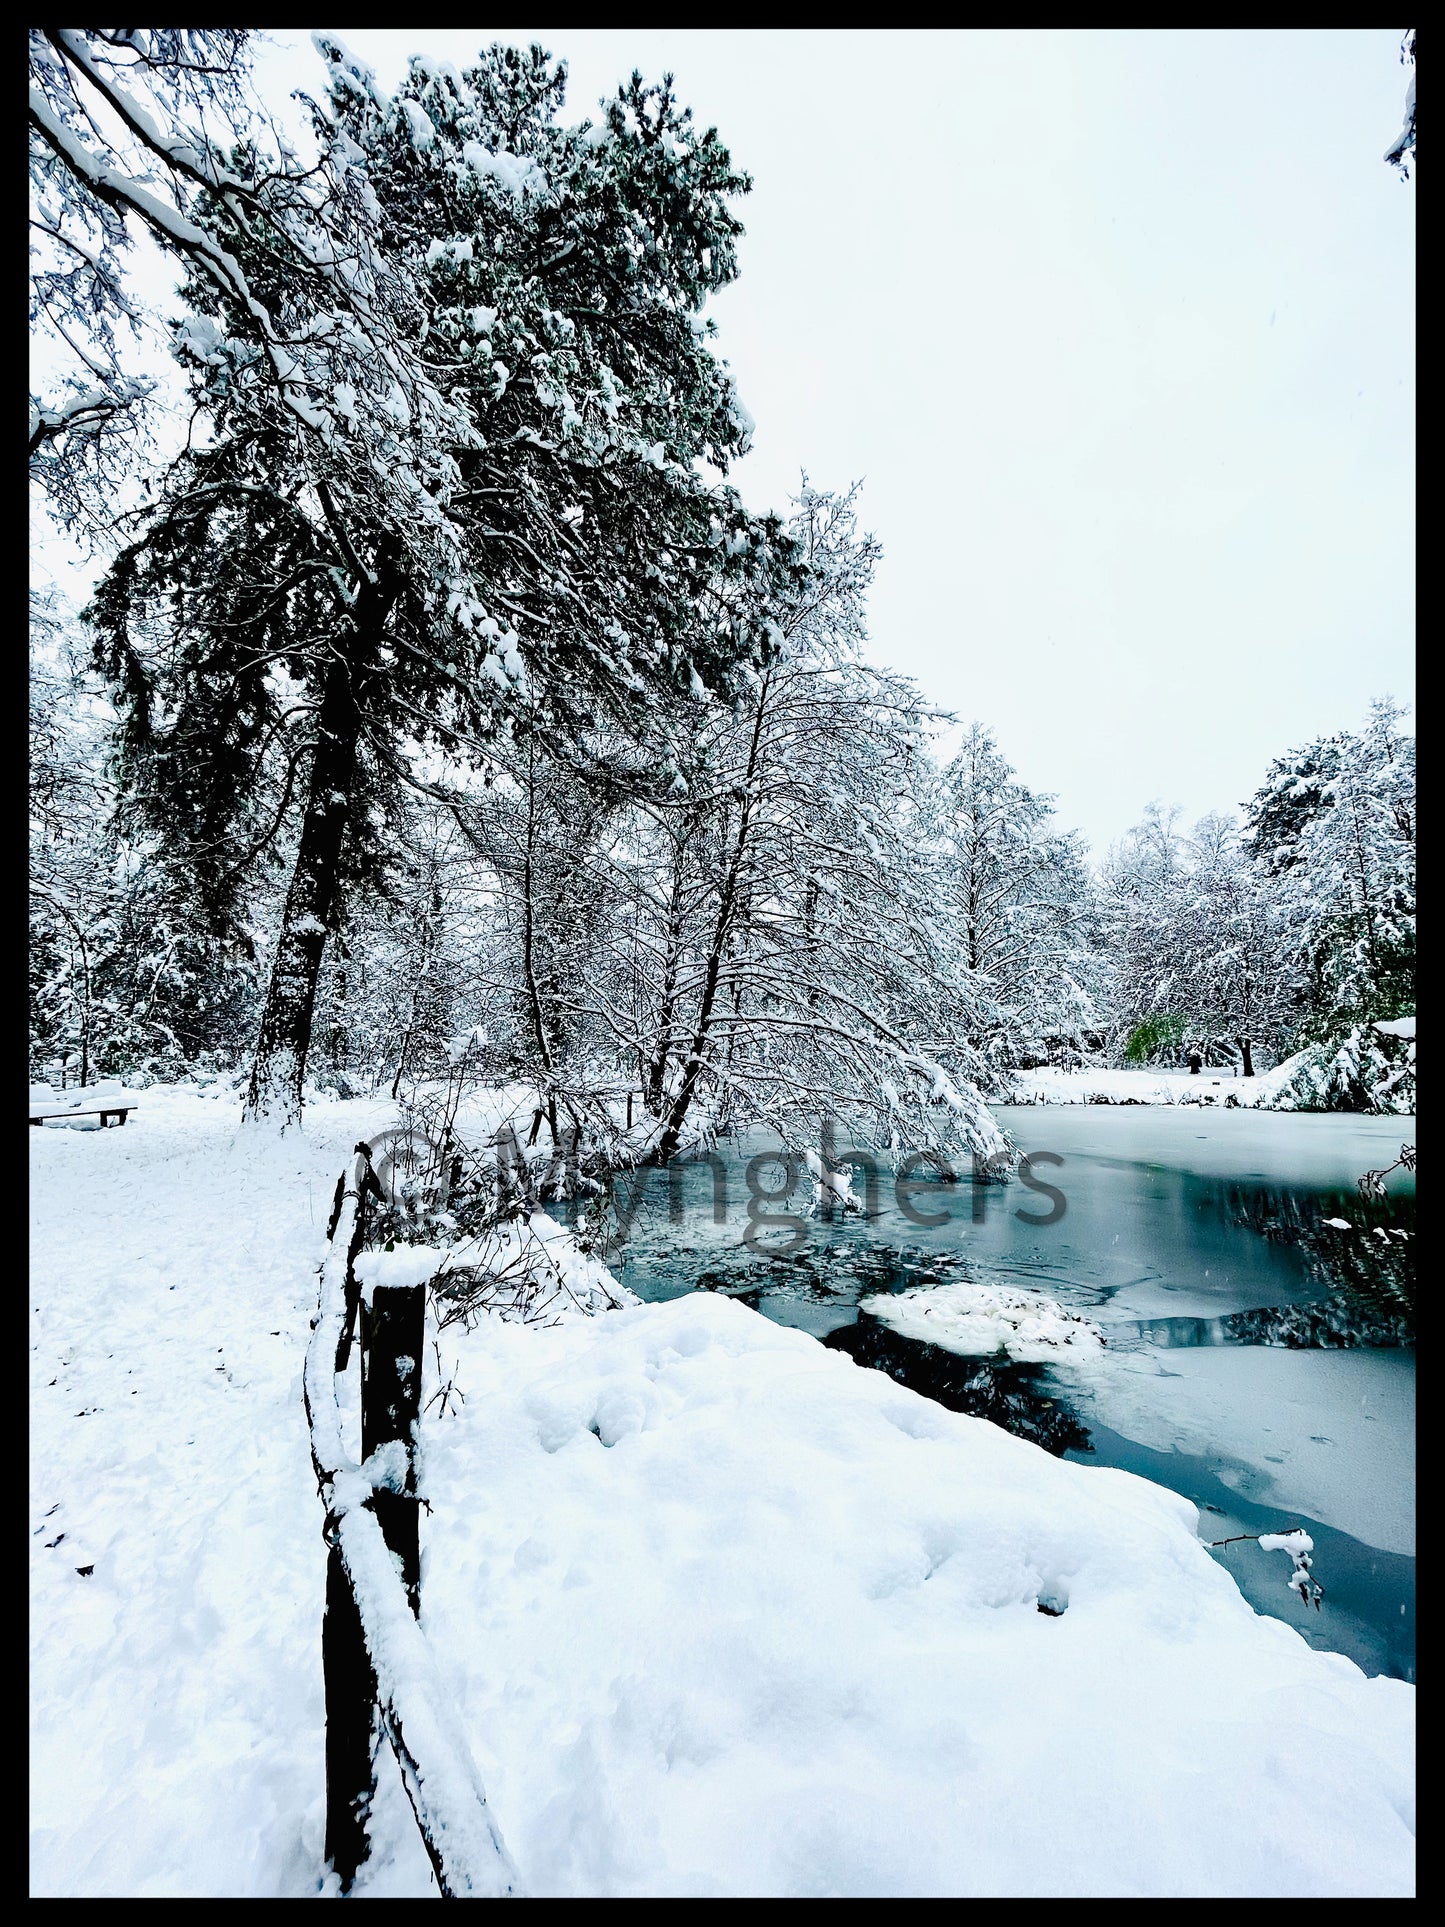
[(1118, 328)]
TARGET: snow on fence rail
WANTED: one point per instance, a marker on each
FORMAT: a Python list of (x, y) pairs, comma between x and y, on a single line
[(375, 1657)]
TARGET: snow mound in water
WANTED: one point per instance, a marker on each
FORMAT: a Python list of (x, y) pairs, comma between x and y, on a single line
[(983, 1319)]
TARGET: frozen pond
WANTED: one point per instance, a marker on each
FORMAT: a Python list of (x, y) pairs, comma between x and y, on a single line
[(1257, 1359)]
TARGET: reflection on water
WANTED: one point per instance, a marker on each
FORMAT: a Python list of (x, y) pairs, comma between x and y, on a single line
[(838, 1275), (1365, 1247), (1346, 1320)]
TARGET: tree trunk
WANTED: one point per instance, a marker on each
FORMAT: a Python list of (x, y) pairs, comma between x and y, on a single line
[(535, 1007), (695, 1061), (393, 1334), (656, 1077), (340, 1051), (313, 899), (1243, 1043)]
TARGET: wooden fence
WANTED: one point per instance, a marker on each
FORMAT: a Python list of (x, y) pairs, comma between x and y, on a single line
[(379, 1671)]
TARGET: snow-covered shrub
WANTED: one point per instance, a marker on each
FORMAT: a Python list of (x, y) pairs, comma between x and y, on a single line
[(1367, 1070)]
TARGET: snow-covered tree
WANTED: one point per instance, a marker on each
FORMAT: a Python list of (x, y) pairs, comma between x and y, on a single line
[(124, 978), (1335, 823), (542, 839), (1199, 942), (788, 963), (1136, 879), (1294, 929), (403, 988), (1016, 894), (1234, 941), (128, 128), (408, 539)]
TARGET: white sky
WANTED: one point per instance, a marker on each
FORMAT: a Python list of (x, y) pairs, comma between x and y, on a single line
[(1119, 330)]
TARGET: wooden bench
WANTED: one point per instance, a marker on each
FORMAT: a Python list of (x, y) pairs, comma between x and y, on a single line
[(104, 1111)]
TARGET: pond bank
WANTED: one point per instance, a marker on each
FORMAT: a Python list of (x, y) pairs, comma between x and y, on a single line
[(1176, 1225)]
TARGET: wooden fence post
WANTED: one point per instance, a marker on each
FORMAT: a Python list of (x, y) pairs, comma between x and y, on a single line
[(391, 1356), (393, 1331), (350, 1725), (449, 1802)]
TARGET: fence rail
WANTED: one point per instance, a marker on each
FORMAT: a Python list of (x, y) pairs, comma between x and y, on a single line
[(376, 1661)]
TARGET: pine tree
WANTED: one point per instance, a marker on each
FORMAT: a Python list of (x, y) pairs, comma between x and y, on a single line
[(410, 541)]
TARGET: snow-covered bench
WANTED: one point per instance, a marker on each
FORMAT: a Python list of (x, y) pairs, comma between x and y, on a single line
[(102, 1101)]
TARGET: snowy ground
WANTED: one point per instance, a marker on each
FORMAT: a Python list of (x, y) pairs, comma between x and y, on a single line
[(175, 1699), (1048, 1085), (723, 1613)]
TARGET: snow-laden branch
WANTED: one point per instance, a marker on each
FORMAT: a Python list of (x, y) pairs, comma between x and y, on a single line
[(1402, 149), (127, 196), (1300, 1547), (84, 412)]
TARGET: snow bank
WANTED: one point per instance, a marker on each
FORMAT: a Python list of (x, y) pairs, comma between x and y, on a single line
[(1048, 1085), (728, 1614), (985, 1319), (1354, 1076)]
